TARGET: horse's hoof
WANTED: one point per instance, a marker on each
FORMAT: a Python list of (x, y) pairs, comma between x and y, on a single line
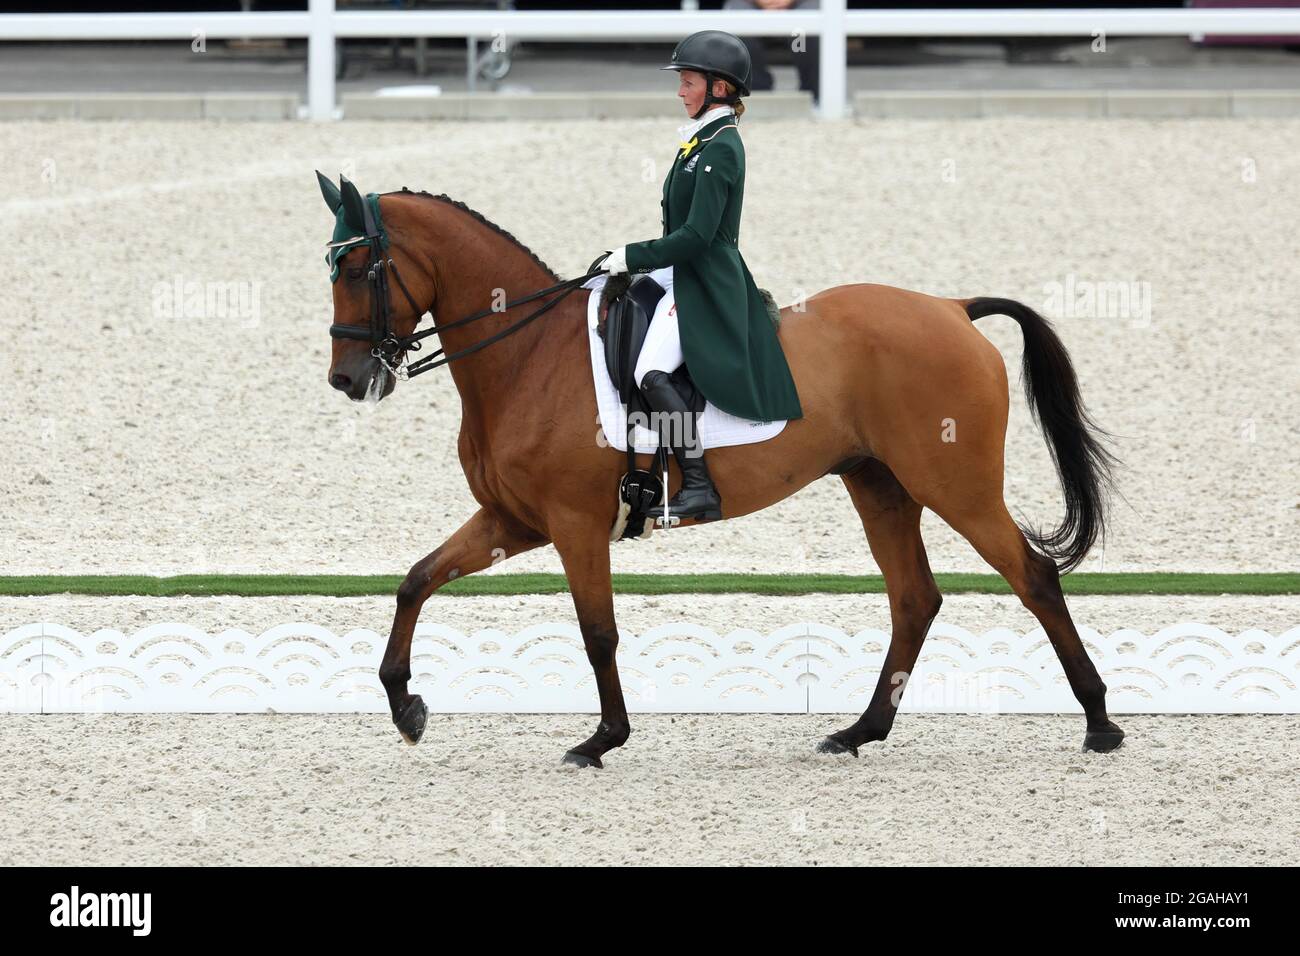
[(832, 746), (410, 723), (575, 759), (1103, 741)]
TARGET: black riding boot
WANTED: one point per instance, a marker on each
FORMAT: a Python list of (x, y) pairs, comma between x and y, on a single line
[(697, 498)]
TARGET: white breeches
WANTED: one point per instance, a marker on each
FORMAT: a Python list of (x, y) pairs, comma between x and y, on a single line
[(663, 345)]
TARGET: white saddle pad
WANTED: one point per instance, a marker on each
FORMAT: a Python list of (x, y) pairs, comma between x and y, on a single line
[(717, 428)]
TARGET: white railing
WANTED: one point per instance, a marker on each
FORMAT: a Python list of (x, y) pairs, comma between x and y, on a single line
[(322, 25)]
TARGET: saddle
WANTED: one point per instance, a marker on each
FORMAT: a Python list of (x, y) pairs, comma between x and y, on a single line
[(626, 308)]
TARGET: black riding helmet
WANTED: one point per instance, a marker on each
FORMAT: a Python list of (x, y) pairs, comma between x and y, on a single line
[(715, 53)]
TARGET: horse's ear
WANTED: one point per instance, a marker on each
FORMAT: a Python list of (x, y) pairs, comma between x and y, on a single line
[(354, 213), (331, 192)]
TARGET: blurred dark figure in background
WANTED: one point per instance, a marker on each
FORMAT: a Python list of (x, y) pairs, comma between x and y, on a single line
[(805, 58)]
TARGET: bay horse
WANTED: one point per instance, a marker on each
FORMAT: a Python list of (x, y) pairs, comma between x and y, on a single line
[(903, 400)]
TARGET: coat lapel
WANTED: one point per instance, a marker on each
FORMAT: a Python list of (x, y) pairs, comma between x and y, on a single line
[(686, 150)]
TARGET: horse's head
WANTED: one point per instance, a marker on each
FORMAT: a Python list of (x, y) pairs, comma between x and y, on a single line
[(370, 321)]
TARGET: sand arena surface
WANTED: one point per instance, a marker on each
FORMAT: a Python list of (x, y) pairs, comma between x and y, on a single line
[(637, 612), (705, 789), (140, 440), (687, 789)]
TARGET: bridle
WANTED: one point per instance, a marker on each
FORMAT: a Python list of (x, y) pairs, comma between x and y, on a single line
[(391, 348)]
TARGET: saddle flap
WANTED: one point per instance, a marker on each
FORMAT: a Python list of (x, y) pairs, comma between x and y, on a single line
[(627, 320)]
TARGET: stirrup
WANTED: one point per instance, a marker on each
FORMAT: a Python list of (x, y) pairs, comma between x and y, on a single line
[(666, 519), (671, 520)]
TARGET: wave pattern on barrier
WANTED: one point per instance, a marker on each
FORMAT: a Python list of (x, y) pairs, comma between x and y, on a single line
[(673, 668)]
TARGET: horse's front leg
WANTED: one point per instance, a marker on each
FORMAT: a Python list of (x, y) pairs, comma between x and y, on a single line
[(481, 542), (586, 564)]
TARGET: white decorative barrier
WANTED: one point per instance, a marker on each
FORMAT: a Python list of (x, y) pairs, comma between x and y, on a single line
[(674, 668)]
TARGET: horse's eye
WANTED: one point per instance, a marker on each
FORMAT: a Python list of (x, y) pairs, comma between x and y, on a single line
[(356, 273)]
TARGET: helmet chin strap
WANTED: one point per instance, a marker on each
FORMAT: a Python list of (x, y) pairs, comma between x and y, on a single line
[(710, 99)]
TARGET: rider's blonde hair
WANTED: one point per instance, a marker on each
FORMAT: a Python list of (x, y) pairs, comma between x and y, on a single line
[(739, 104)]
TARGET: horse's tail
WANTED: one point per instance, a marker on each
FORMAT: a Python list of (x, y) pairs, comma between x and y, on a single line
[(1084, 464)]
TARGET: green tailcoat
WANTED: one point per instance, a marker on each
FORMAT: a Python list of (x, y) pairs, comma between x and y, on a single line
[(728, 340)]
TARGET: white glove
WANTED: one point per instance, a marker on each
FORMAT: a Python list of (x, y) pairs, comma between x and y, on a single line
[(616, 262)]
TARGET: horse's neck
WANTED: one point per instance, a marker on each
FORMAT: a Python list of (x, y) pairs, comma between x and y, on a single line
[(478, 268)]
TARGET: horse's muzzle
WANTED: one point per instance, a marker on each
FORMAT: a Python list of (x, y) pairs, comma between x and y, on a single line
[(371, 381)]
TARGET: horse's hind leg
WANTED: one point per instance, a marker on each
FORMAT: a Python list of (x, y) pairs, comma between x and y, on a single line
[(479, 543), (892, 520), (1036, 582)]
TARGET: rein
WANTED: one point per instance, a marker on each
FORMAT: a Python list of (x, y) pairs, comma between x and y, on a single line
[(391, 348), (412, 341)]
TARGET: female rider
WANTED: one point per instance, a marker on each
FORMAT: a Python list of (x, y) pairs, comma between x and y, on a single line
[(711, 317)]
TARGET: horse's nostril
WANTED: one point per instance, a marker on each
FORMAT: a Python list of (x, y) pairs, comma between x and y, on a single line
[(340, 381)]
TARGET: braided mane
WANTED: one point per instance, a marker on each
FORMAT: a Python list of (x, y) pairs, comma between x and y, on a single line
[(478, 216)]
